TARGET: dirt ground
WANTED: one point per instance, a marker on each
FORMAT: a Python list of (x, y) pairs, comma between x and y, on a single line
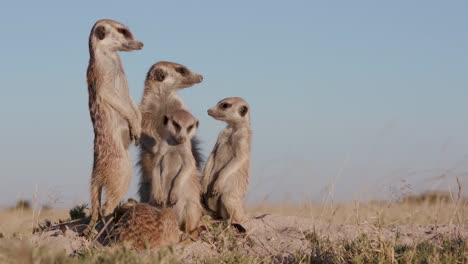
[(278, 232), (269, 235)]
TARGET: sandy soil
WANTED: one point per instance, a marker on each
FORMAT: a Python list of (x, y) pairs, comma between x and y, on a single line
[(267, 235)]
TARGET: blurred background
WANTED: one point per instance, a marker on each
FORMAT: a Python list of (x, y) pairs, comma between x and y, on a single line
[(350, 101)]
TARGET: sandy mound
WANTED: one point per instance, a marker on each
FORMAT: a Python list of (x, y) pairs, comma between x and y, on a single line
[(267, 236)]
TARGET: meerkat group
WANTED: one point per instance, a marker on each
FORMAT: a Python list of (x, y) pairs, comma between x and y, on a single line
[(174, 190)]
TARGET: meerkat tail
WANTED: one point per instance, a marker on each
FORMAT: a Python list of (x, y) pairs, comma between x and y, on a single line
[(197, 153)]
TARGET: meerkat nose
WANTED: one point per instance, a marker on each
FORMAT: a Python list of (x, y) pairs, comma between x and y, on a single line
[(201, 78)]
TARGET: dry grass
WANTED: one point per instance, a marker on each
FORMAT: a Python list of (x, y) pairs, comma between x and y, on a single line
[(419, 209), (435, 209)]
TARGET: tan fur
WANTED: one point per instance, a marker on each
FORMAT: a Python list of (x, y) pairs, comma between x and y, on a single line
[(176, 181), (163, 80), (116, 118), (145, 226), (226, 174)]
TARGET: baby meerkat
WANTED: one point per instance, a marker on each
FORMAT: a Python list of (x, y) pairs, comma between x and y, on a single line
[(145, 226), (160, 97), (226, 174), (176, 180)]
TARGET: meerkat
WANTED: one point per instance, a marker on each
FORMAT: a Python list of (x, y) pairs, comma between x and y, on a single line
[(163, 80), (115, 116), (145, 226), (226, 174), (176, 181)]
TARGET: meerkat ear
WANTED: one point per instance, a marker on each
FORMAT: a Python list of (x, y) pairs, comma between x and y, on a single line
[(159, 75), (243, 110), (132, 201), (100, 32), (166, 119), (197, 123)]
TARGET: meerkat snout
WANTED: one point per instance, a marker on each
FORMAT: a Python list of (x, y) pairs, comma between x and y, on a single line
[(210, 112), (134, 45)]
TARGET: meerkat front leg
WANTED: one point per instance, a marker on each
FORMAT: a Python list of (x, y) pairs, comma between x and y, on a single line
[(207, 172), (157, 193), (137, 111), (179, 181), (232, 166), (121, 107)]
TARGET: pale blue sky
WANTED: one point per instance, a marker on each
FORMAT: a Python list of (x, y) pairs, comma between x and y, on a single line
[(362, 94)]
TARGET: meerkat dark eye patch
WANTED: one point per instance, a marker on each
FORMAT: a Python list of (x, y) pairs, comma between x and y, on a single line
[(243, 110), (183, 71), (100, 32), (177, 126), (159, 75), (225, 106), (190, 128), (166, 119), (124, 32)]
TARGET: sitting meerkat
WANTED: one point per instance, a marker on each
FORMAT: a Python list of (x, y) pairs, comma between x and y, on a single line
[(163, 81), (145, 226), (226, 174), (176, 180)]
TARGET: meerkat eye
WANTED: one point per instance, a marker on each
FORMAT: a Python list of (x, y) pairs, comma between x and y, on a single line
[(225, 106), (124, 32), (189, 128), (177, 126), (181, 70)]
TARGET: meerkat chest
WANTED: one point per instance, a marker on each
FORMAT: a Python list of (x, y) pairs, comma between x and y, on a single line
[(225, 146), (171, 163), (120, 83), (170, 166)]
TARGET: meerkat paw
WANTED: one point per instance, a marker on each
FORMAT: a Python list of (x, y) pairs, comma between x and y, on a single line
[(204, 189), (172, 199), (158, 200), (216, 190), (135, 132)]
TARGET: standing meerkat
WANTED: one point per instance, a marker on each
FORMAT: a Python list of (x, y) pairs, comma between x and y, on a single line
[(115, 116), (226, 174), (176, 181), (163, 80), (145, 226)]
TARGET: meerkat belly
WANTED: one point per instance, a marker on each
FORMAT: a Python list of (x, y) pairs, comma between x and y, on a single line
[(106, 138), (171, 165), (120, 124), (120, 129)]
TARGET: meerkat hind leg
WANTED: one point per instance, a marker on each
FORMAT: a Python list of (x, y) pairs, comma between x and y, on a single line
[(116, 190), (232, 210)]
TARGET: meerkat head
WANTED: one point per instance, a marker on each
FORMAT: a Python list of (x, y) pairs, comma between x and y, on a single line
[(122, 209), (180, 126), (173, 75), (114, 36), (233, 110)]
